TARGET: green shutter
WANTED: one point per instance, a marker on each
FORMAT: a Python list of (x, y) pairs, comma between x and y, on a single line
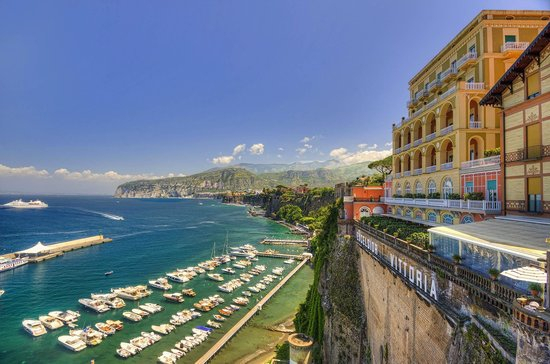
[(492, 185), (509, 38)]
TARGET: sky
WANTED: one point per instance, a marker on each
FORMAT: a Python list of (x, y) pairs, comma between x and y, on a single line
[(96, 93)]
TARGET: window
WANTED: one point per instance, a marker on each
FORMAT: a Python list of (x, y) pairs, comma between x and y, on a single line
[(418, 215), (447, 219), (407, 188), (408, 213), (418, 188), (534, 148), (398, 189), (534, 193), (438, 76), (470, 80), (492, 192), (509, 38), (453, 65), (432, 188), (447, 188), (467, 219), (533, 85), (432, 217), (364, 211), (469, 187), (472, 49)]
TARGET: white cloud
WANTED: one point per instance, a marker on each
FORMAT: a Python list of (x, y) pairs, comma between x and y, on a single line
[(308, 146), (374, 146), (280, 149), (239, 149), (359, 156), (305, 140), (301, 151), (279, 156), (88, 175), (257, 149), (224, 159), (388, 144), (362, 146), (23, 171)]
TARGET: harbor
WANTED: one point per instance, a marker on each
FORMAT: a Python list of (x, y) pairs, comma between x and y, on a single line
[(298, 242)]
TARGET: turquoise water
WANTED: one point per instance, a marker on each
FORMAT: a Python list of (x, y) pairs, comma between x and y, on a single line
[(156, 236)]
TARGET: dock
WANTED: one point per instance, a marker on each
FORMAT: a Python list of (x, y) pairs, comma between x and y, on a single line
[(54, 250), (299, 242), (249, 315), (280, 255)]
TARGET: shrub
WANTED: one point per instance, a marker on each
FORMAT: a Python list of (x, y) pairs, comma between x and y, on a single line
[(408, 195), (474, 196), (434, 195), (419, 195), (491, 152), (493, 272), (535, 287), (453, 196), (419, 239), (457, 258), (396, 195)]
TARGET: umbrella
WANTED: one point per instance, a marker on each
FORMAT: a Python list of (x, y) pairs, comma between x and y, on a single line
[(528, 274)]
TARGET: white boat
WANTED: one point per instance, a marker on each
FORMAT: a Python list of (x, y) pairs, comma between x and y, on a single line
[(167, 358), (67, 316), (228, 270), (142, 313), (32, 204), (34, 327), (2, 292), (177, 277), (73, 343), (123, 353), (132, 316), (160, 283), (215, 277), (51, 323), (174, 297), (7, 264), (289, 261), (104, 328), (94, 305), (130, 348)]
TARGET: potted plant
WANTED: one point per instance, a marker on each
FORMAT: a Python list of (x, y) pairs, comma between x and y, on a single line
[(535, 288), (493, 272), (430, 248), (457, 258)]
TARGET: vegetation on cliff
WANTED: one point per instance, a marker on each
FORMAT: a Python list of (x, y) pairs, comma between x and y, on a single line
[(411, 232)]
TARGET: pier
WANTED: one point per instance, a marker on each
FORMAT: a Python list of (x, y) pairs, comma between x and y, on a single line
[(249, 315), (280, 255), (54, 250), (299, 242)]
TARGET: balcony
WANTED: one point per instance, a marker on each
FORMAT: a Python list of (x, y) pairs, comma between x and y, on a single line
[(447, 93), (397, 150), (411, 104), (474, 86), (421, 94), (407, 174), (513, 49), (475, 124), (482, 206), (417, 142), (430, 136), (466, 60), (434, 85), (447, 166), (398, 175), (483, 162), (417, 171), (406, 147), (446, 130), (430, 169), (418, 112), (449, 73), (431, 103)]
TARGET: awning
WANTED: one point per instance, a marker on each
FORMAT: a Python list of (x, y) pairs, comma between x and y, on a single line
[(527, 274), (38, 248)]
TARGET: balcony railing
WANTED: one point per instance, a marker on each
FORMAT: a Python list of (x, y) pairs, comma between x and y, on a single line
[(448, 72), (417, 142), (483, 162), (475, 124), (449, 92), (431, 103), (418, 112), (433, 84), (446, 130), (474, 85), (430, 169), (397, 150), (489, 206), (514, 46), (447, 166), (398, 175), (421, 94), (466, 58), (417, 171), (407, 174), (431, 136), (406, 147)]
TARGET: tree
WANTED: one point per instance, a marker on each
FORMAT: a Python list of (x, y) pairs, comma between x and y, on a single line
[(383, 166), (290, 213)]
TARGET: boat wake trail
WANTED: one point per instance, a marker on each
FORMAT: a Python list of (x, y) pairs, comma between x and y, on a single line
[(104, 214)]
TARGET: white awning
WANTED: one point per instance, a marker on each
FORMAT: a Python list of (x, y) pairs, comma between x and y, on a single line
[(527, 274), (38, 248)]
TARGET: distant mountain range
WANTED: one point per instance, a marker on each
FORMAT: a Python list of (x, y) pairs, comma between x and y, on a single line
[(245, 177)]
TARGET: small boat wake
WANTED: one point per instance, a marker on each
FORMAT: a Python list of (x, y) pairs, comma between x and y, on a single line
[(104, 214)]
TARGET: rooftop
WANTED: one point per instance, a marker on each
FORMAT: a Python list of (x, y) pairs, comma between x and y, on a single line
[(526, 239)]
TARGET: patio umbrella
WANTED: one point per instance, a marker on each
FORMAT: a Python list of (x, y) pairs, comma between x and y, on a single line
[(527, 274)]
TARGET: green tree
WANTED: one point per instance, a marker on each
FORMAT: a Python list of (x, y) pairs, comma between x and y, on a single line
[(383, 166), (290, 213)]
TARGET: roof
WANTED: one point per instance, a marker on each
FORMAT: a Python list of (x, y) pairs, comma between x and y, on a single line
[(494, 96), (519, 238), (38, 248)]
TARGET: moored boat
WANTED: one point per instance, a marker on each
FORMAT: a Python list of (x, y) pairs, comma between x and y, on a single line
[(174, 297), (215, 277), (160, 283), (51, 323), (73, 343), (132, 316), (105, 328), (34, 327)]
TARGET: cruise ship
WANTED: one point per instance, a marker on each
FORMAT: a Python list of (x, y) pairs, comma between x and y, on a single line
[(32, 204), (7, 264)]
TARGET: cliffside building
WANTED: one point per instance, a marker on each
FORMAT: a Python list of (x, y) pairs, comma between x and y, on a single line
[(440, 172), (361, 201)]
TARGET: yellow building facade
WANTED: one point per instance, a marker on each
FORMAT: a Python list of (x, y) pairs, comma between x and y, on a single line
[(523, 93), (440, 171)]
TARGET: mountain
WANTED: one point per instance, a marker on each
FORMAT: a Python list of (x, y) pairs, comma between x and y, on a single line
[(239, 178), (282, 167)]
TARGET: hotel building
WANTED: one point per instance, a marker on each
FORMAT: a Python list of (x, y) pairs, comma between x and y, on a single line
[(441, 174), (523, 94)]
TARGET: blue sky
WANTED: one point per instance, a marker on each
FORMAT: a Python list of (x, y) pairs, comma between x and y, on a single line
[(143, 88)]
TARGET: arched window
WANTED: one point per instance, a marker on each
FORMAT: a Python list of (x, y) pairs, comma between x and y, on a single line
[(447, 219), (418, 215), (407, 187), (408, 213), (447, 188), (398, 189), (418, 188), (399, 211), (378, 210), (364, 211), (432, 187), (467, 219), (432, 217)]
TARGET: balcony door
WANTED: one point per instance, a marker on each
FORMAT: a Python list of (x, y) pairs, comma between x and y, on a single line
[(534, 194), (491, 191)]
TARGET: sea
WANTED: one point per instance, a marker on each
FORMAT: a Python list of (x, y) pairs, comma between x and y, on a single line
[(153, 237)]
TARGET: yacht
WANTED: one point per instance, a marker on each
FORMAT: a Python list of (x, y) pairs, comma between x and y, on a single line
[(94, 305), (73, 343), (32, 204), (289, 261), (132, 293), (178, 277), (105, 328), (109, 299), (131, 316), (34, 327), (215, 277), (51, 323), (228, 270), (174, 297), (160, 283), (67, 316)]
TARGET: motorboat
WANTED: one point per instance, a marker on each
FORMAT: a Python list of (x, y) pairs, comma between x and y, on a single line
[(117, 325), (88, 335), (215, 277), (105, 328), (189, 292), (141, 342), (109, 299), (124, 354), (254, 289), (225, 312), (130, 348), (67, 316), (151, 307), (160, 283), (73, 343), (163, 329), (95, 305), (228, 270), (241, 301), (247, 293), (142, 313), (213, 324), (239, 265), (167, 358), (109, 273), (174, 297), (51, 323), (132, 316), (178, 353), (34, 327), (289, 261), (177, 277)]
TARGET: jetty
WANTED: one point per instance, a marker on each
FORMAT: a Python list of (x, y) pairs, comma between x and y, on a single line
[(249, 315), (299, 242), (282, 255), (40, 252)]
